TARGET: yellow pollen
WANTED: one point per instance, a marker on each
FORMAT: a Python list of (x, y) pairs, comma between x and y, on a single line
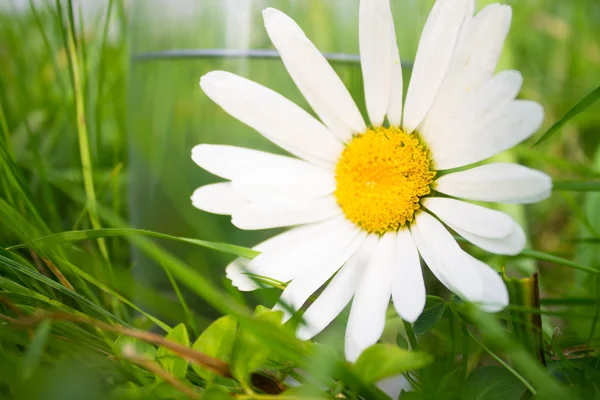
[(381, 177)]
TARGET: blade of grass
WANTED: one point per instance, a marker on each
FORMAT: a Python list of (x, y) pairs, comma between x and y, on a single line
[(577, 185), (76, 236), (5, 261), (35, 351), (572, 113), (101, 77), (15, 182), (533, 155), (82, 134), (7, 144), (47, 45), (113, 175), (538, 255), (106, 289), (190, 319), (13, 287), (82, 47)]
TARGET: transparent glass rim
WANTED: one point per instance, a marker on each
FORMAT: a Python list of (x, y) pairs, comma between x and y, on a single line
[(183, 54)]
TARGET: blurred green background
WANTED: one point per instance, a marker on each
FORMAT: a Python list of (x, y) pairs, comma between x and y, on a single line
[(143, 117)]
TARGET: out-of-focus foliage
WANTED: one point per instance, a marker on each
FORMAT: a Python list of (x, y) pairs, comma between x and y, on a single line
[(95, 142)]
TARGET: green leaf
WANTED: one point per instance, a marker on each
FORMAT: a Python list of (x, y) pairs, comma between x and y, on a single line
[(169, 360), (216, 341), (216, 393), (305, 392), (572, 113), (249, 351), (77, 236), (401, 341), (166, 391), (382, 361), (128, 346), (429, 318), (493, 383), (35, 350)]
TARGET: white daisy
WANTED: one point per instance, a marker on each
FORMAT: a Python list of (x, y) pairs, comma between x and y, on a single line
[(364, 200)]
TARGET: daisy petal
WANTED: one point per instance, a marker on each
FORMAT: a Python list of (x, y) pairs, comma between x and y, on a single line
[(338, 292), (313, 75), (272, 115), (511, 245), (480, 221), (408, 288), (296, 180), (218, 198), (434, 56), (495, 295), (302, 287), (443, 131), (237, 272), (310, 247), (498, 182), (476, 58), (239, 269), (230, 162), (445, 258), (367, 315), (254, 216), (494, 133), (375, 24), (394, 111)]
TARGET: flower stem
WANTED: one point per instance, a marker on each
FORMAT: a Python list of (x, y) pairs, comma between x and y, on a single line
[(410, 333)]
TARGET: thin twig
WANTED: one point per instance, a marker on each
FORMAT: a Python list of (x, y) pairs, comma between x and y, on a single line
[(536, 320), (157, 370), (9, 319), (58, 274)]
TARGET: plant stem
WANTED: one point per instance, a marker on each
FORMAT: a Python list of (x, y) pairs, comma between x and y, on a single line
[(504, 364), (410, 333)]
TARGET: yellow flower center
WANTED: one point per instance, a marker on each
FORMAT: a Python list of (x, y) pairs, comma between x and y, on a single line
[(381, 177)]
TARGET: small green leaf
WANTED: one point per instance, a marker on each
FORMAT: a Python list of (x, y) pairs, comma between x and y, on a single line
[(249, 352), (429, 318), (401, 341), (35, 350), (493, 383), (266, 314), (167, 392), (128, 347), (216, 341), (169, 360), (382, 361)]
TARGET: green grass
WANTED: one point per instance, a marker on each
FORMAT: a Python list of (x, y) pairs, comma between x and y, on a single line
[(102, 254)]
